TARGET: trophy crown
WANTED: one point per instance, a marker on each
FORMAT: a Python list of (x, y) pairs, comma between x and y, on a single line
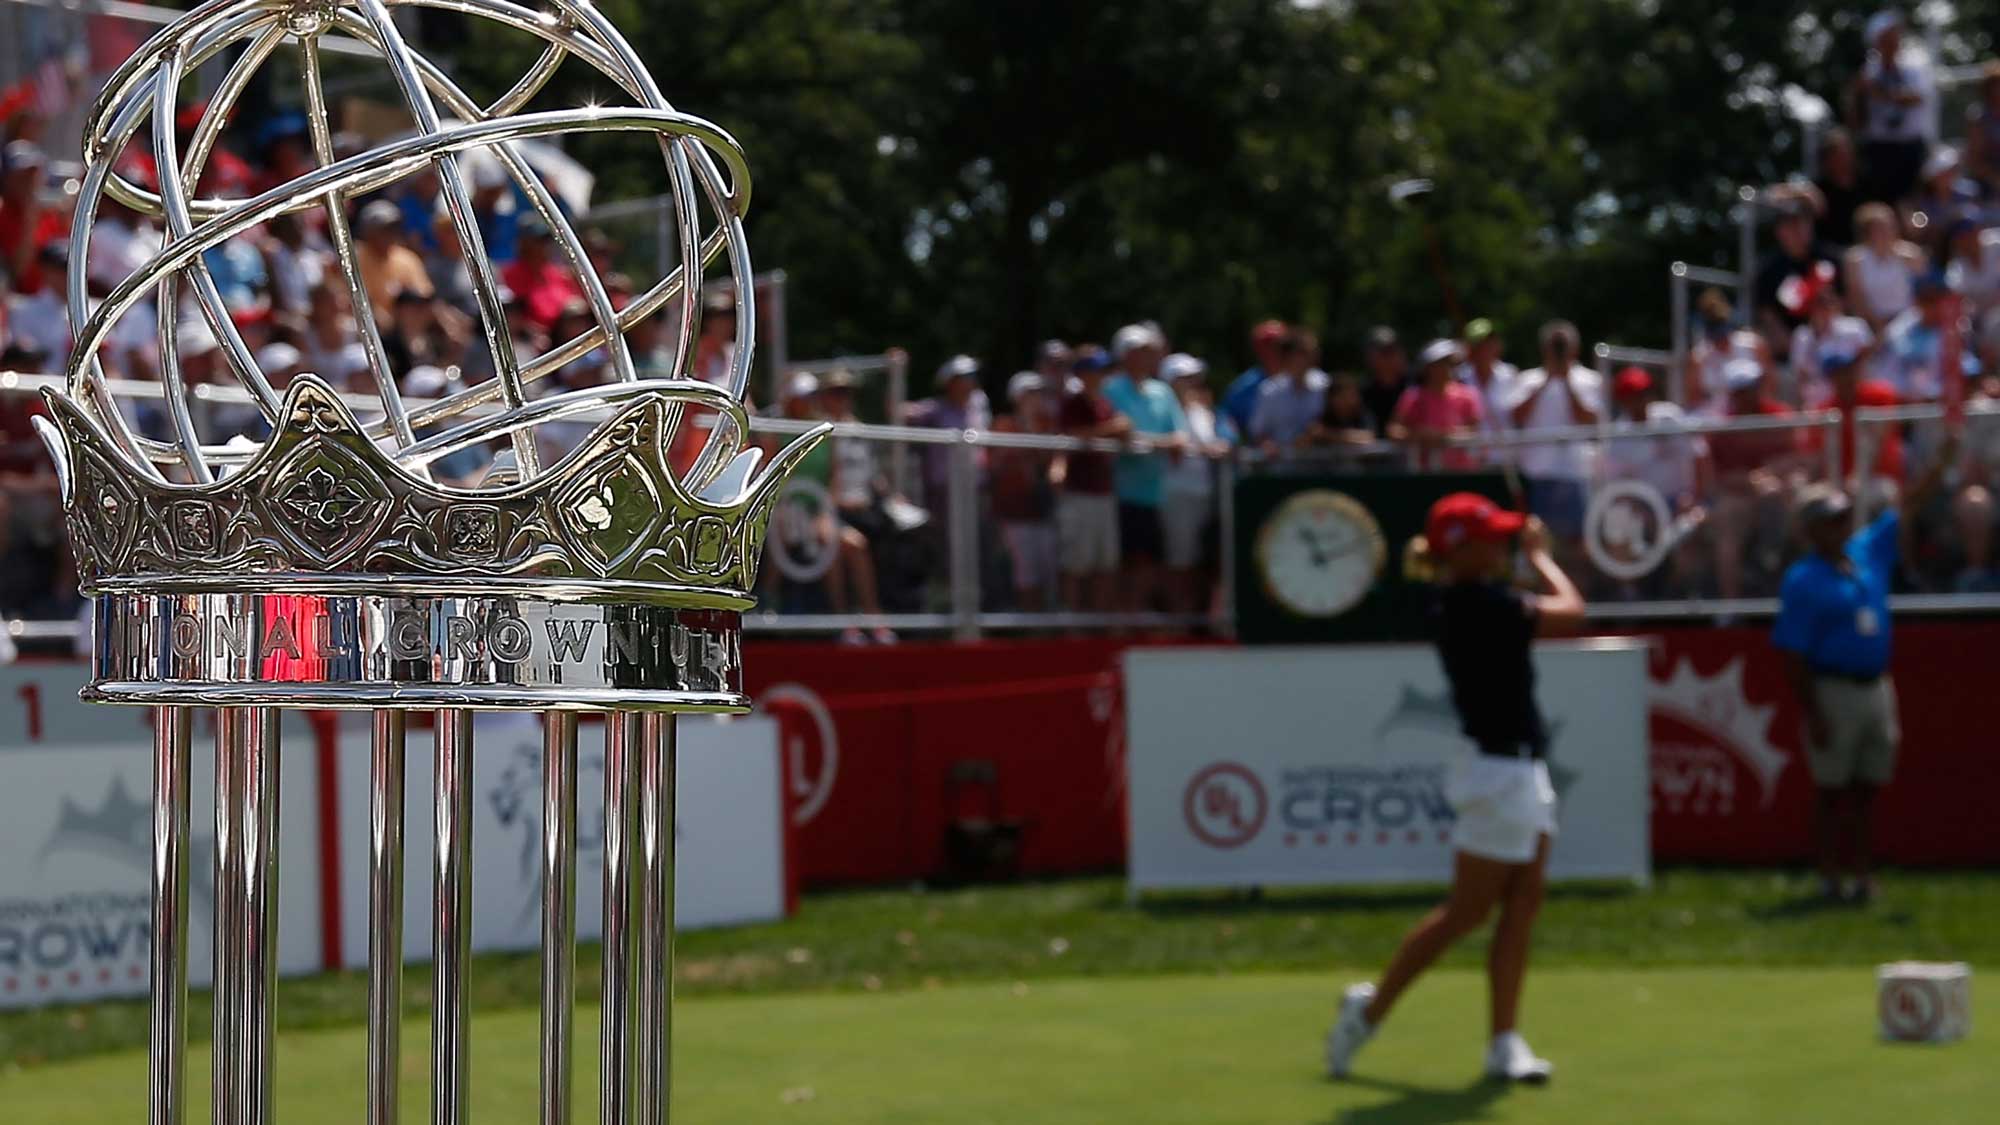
[(213, 558)]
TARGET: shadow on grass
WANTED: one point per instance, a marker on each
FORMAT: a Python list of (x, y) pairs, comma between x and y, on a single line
[(1799, 907), (1815, 907), (1315, 900), (1421, 1105)]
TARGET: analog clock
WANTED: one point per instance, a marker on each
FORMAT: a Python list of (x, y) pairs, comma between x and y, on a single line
[(1320, 552)]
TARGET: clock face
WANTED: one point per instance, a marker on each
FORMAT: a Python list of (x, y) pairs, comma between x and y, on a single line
[(1320, 552)]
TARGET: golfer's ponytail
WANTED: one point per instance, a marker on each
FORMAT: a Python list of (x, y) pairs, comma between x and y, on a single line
[(1419, 565)]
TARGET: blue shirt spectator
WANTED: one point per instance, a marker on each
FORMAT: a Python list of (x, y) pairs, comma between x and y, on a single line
[(1912, 355), (1287, 405), (1153, 409), (1239, 402), (1836, 616), (498, 206), (238, 270), (419, 201)]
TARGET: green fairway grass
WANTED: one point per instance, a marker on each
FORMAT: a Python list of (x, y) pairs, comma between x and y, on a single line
[(1685, 1046), (911, 938)]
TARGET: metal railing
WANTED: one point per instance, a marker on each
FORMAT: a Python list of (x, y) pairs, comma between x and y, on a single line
[(1612, 356), (654, 214), (959, 602), (1681, 277), (894, 367), (966, 534)]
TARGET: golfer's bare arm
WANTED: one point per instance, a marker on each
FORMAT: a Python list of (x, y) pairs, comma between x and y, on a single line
[(1559, 606)]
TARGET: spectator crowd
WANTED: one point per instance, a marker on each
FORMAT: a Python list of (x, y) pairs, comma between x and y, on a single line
[(1890, 250), (1876, 262), (1881, 288), (1134, 528), (410, 313)]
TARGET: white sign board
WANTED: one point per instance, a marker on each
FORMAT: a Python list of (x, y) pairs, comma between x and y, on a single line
[(76, 844), (729, 837), (76, 838), (1326, 765)]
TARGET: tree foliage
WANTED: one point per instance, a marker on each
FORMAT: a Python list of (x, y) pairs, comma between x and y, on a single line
[(977, 176)]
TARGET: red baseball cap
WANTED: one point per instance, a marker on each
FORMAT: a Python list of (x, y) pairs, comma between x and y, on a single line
[(1463, 517), (1632, 381), (1268, 332)]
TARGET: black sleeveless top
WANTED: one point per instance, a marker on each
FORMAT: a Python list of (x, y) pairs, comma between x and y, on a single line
[(1485, 635)]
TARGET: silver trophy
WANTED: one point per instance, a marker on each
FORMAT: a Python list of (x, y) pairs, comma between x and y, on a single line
[(323, 567)]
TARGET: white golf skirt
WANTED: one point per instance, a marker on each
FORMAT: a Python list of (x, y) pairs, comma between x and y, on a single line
[(1503, 806)]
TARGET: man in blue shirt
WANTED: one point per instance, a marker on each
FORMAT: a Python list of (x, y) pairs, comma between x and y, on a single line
[(1292, 399), (1239, 402), (1138, 393), (1833, 627)]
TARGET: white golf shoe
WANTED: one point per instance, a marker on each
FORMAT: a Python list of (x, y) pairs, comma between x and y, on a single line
[(1350, 1029), (1510, 1059)]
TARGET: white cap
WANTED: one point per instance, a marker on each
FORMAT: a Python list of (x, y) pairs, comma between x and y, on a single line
[(110, 262), (1745, 343), (1742, 374), (425, 381), (1942, 159), (1437, 351), (380, 213), (1850, 332), (956, 366), (1181, 365), (803, 384), (487, 173), (1135, 336), (1882, 21), (1024, 383), (352, 358), (277, 356), (193, 338)]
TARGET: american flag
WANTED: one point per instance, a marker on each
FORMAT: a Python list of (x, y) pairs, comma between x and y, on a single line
[(111, 40), (52, 87), (47, 92), (1951, 362)]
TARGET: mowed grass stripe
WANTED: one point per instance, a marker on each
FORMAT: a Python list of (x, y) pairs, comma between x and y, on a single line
[(911, 938), (1672, 1045)]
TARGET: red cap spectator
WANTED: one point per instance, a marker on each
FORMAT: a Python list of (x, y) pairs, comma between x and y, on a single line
[(25, 225), (251, 315), (1851, 389), (1737, 454), (1632, 382)]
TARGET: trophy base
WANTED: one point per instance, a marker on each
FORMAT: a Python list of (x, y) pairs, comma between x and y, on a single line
[(374, 651), (414, 698)]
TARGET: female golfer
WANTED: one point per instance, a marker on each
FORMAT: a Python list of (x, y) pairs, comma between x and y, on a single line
[(1504, 803)]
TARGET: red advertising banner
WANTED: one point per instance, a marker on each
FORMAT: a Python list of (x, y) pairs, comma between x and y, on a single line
[(887, 748), (1729, 773), (877, 741), (1729, 779)]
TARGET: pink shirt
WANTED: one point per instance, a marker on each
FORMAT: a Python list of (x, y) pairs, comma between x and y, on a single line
[(1456, 407)]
